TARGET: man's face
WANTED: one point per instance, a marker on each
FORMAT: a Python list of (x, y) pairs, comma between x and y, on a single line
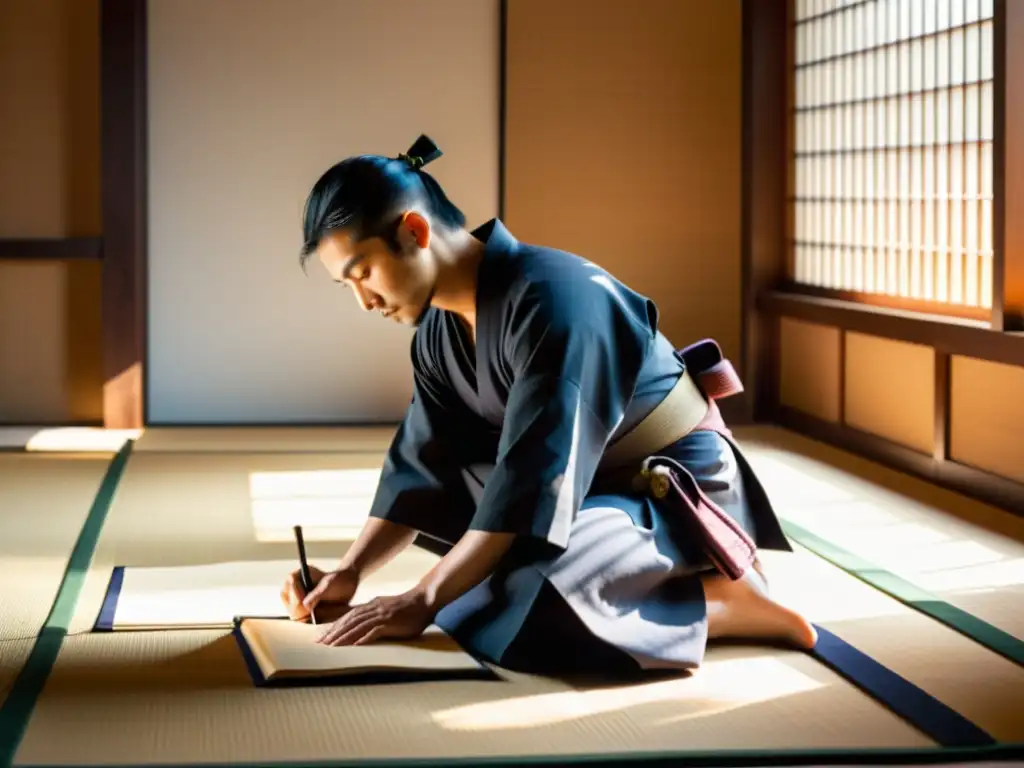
[(399, 286)]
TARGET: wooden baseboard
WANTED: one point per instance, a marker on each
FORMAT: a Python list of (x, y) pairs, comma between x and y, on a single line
[(969, 481), (310, 425), (52, 424), (736, 410), (51, 249)]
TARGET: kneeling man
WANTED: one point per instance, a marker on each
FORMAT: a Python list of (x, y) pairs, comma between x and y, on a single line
[(569, 464)]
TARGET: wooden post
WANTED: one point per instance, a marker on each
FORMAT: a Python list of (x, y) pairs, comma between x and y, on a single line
[(766, 93), (123, 89)]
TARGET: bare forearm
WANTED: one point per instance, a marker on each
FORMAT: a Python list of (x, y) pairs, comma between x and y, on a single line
[(469, 562), (378, 543)]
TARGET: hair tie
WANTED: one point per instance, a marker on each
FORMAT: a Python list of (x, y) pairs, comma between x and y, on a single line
[(423, 151), (413, 162)]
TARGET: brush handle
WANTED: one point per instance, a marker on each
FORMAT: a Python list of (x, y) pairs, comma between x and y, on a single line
[(307, 579)]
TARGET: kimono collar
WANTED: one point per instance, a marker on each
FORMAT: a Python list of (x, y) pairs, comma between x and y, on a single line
[(492, 279), (495, 237)]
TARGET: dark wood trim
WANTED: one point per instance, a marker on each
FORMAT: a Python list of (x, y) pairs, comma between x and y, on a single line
[(52, 248), (736, 410), (884, 301), (1008, 157), (969, 481), (943, 362), (953, 336), (502, 103), (998, 319), (124, 162), (766, 97), (50, 424), (842, 375)]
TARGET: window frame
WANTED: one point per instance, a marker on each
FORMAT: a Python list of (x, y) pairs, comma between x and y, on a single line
[(767, 230), (793, 284)]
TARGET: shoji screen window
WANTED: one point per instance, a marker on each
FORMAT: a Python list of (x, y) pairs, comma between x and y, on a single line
[(893, 128)]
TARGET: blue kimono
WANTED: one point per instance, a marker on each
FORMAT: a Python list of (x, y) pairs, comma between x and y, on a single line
[(506, 435)]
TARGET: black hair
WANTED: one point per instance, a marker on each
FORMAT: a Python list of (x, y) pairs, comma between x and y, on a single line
[(366, 193)]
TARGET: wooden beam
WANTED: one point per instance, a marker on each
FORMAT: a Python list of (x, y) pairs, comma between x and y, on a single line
[(953, 336), (943, 374), (123, 89), (52, 249), (766, 97), (842, 375), (502, 104), (1008, 162)]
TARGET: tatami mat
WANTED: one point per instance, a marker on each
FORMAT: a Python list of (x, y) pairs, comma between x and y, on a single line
[(43, 503), (186, 695), (314, 439), (937, 659), (965, 552)]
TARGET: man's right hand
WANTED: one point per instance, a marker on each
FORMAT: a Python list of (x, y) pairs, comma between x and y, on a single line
[(334, 590)]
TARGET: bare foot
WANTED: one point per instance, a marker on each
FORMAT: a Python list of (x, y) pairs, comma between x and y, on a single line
[(744, 609)]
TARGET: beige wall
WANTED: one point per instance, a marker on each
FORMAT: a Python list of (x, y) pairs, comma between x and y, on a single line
[(624, 146), (50, 363), (622, 143), (243, 118), (599, 161)]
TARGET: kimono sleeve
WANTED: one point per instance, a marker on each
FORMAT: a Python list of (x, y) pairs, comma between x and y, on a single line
[(575, 349), (421, 484)]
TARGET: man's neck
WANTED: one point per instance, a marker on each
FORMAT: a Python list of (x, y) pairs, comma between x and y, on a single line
[(458, 262)]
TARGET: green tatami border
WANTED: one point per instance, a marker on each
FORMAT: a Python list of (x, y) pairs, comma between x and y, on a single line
[(16, 710), (908, 593), (654, 759)]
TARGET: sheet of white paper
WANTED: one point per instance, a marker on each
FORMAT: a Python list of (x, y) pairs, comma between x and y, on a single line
[(213, 594)]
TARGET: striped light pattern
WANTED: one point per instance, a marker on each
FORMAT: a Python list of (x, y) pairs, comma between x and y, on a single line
[(893, 129)]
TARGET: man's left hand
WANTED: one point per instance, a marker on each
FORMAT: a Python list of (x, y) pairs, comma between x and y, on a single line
[(401, 617)]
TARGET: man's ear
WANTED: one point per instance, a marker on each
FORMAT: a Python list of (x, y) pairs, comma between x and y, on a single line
[(414, 229)]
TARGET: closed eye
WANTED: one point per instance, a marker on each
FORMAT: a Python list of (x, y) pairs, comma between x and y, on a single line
[(353, 265)]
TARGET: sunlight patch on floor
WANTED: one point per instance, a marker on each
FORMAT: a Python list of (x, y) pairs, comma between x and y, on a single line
[(931, 556), (317, 483), (719, 686), (796, 484), (975, 579), (79, 440), (822, 592), (330, 505), (936, 549)]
